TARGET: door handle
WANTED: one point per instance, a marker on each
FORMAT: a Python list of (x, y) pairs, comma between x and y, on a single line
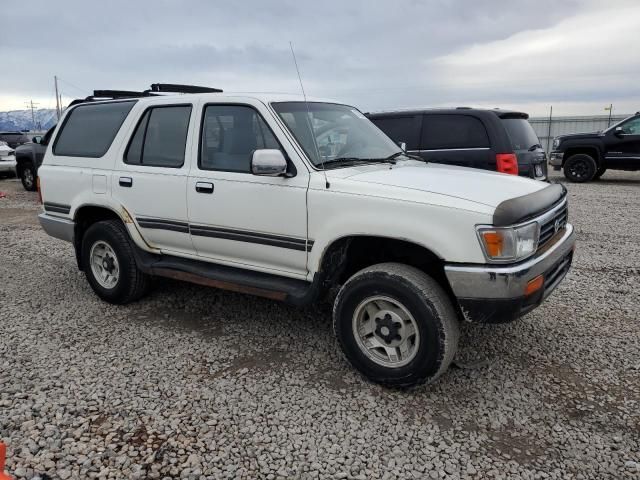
[(204, 187), (125, 182)]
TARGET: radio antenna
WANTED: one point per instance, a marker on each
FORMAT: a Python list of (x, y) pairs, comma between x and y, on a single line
[(313, 136)]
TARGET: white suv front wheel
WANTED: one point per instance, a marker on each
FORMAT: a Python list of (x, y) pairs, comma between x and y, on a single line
[(396, 325)]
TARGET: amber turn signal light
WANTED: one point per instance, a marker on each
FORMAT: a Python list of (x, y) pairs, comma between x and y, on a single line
[(534, 285)]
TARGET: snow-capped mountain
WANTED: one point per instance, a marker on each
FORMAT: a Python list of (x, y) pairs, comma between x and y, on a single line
[(21, 119)]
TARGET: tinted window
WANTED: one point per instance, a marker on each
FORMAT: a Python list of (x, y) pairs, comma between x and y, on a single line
[(88, 130), (401, 129), (521, 133), (160, 138), (230, 134), (632, 127), (453, 131)]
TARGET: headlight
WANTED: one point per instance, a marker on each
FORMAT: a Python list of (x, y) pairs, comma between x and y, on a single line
[(502, 244), (556, 142)]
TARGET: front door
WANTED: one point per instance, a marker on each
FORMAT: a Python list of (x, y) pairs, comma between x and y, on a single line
[(624, 146), (150, 177), (238, 218)]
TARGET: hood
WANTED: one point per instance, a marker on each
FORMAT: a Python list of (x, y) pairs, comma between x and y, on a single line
[(578, 136), (478, 186)]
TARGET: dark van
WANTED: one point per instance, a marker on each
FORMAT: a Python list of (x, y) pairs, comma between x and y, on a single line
[(498, 140)]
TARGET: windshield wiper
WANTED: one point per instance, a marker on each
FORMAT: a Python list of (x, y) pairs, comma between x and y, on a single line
[(533, 147), (358, 160)]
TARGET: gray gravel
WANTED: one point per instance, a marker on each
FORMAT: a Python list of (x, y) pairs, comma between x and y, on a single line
[(197, 383)]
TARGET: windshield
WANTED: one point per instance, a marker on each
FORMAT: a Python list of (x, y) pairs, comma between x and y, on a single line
[(521, 133), (619, 124), (341, 134)]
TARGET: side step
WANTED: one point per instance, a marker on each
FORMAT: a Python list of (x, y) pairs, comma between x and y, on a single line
[(275, 287)]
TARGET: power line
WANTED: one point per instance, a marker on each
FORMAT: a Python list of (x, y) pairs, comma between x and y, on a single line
[(80, 89)]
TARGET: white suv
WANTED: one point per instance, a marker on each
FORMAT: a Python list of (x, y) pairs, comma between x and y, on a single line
[(295, 200)]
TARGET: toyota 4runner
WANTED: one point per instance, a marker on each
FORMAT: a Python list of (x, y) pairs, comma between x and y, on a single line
[(301, 201)]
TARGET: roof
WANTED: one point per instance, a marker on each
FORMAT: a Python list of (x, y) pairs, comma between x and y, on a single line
[(217, 97), (497, 111)]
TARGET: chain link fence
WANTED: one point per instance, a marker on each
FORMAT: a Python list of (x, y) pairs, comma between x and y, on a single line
[(547, 129)]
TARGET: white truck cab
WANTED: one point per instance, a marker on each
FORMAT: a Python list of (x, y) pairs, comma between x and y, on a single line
[(296, 200)]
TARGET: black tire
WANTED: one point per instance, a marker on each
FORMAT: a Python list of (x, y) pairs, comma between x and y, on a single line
[(28, 177), (131, 282), (423, 298), (599, 173), (580, 168)]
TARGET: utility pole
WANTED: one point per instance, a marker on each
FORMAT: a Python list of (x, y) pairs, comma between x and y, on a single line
[(549, 139), (610, 108), (55, 81), (32, 106)]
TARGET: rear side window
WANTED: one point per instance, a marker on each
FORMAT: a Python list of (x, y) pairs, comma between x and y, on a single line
[(160, 138), (441, 132), (521, 133), (404, 129), (89, 130), (230, 134)]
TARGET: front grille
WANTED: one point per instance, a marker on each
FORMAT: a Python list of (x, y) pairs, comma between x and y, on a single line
[(553, 225)]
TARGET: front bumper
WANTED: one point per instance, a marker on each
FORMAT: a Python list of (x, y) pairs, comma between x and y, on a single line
[(555, 159), (496, 293), (7, 165), (57, 227)]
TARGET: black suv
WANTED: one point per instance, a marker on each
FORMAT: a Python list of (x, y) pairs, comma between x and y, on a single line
[(498, 140), (586, 156), (29, 158), (14, 139)]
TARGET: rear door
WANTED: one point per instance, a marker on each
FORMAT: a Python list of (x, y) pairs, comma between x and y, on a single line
[(150, 175), (456, 139), (526, 146)]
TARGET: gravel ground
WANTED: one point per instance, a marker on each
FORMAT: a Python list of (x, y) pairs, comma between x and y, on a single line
[(198, 383)]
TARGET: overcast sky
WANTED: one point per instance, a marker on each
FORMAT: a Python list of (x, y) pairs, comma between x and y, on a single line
[(579, 55)]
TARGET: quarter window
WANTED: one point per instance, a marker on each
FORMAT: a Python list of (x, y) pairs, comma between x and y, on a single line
[(230, 134), (453, 131), (160, 138), (89, 130)]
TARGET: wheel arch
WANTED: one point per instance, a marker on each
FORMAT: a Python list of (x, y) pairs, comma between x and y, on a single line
[(347, 255), (592, 150), (87, 214)]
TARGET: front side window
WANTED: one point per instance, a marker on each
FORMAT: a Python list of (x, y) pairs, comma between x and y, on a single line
[(160, 138), (441, 132), (89, 130), (333, 135), (230, 135), (632, 127)]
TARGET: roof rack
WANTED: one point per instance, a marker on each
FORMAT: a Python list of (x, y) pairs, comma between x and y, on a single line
[(119, 94), (155, 90), (177, 88)]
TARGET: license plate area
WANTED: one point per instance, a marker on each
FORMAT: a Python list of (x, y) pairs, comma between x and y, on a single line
[(537, 169)]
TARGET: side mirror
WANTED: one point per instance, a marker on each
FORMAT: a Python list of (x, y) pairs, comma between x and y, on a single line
[(403, 146), (268, 163), (37, 139), (618, 131)]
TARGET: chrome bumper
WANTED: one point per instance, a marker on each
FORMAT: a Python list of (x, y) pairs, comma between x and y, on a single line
[(57, 227), (555, 158), (7, 165), (495, 293)]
